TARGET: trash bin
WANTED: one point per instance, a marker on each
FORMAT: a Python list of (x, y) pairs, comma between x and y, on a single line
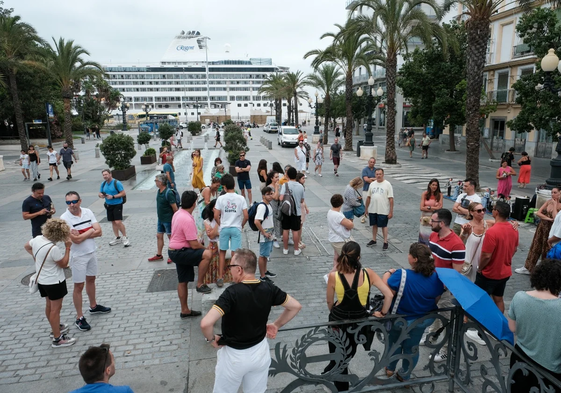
[(358, 145), (83, 138)]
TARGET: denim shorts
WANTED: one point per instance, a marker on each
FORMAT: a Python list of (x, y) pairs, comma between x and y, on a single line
[(265, 249), (378, 220), (349, 214), (244, 184), (230, 238), (164, 227)]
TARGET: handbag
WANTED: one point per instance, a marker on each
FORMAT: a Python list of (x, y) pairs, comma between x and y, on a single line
[(33, 280), (358, 211), (466, 268)]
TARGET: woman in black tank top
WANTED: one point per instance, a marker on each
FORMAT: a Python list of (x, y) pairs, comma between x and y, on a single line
[(262, 173)]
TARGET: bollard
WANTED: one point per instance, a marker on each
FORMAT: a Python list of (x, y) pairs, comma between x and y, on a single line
[(2, 163), (270, 145), (83, 140), (97, 152)]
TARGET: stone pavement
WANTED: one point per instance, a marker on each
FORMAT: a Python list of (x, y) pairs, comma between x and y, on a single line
[(155, 351)]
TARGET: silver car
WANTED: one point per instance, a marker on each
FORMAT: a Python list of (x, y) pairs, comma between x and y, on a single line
[(287, 135), (271, 127)]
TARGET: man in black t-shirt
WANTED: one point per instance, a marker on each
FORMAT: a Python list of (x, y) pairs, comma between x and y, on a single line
[(243, 167), (336, 155), (244, 308), (38, 208)]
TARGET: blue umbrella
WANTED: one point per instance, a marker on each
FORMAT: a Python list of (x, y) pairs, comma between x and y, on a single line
[(477, 303)]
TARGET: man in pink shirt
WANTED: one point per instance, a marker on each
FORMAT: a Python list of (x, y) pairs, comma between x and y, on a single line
[(186, 252)]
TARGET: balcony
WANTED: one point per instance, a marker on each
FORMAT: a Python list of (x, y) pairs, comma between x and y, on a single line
[(360, 79), (502, 96), (522, 50)]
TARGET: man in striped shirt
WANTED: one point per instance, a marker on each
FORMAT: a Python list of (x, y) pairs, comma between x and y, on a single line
[(448, 251)]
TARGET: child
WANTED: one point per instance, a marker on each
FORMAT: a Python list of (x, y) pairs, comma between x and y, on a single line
[(24, 163)]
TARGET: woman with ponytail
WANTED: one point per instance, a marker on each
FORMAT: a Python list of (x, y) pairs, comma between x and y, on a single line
[(351, 284)]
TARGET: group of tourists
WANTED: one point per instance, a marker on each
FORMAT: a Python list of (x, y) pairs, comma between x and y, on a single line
[(30, 160)]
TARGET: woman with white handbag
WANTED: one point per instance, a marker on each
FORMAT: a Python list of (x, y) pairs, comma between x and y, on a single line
[(49, 279)]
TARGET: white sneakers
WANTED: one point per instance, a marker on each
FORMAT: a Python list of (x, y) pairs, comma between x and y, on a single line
[(440, 357), (522, 270), (276, 244), (297, 252), (115, 241), (126, 241), (290, 242), (284, 251), (474, 336), (118, 240)]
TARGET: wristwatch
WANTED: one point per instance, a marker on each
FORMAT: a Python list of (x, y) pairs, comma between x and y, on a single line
[(211, 340)]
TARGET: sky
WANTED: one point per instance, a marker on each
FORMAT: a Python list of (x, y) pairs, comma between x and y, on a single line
[(138, 32)]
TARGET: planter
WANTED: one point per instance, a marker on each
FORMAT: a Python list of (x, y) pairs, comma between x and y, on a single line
[(233, 171), (147, 160), (124, 174)]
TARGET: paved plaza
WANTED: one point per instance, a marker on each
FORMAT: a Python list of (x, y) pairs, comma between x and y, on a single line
[(156, 351)]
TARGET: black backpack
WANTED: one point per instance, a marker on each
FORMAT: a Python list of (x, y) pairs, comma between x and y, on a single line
[(253, 211)]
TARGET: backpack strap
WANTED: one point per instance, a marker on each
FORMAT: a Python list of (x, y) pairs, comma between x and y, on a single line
[(400, 291)]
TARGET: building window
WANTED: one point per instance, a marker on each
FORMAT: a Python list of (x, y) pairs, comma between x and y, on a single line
[(239, 105)]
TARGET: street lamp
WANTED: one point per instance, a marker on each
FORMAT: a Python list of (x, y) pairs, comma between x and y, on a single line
[(124, 108), (370, 108), (319, 101), (548, 64), (146, 108)]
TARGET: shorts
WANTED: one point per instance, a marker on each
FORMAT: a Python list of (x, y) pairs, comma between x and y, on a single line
[(337, 247), (265, 249), (52, 163), (291, 223), (425, 148), (67, 164), (185, 259), (164, 227), (114, 212), (244, 184), (83, 266), (336, 161), (24, 166), (349, 214), (230, 238), (53, 291), (492, 287), (379, 220)]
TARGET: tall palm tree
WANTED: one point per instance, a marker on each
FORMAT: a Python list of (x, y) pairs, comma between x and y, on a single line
[(349, 51), (274, 88), (392, 25), (19, 42), (327, 79), (295, 81), (69, 69)]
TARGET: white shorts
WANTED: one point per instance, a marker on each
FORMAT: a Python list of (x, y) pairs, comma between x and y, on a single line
[(83, 266), (249, 367)]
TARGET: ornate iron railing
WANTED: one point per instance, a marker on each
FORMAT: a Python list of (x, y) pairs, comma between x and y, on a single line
[(469, 367)]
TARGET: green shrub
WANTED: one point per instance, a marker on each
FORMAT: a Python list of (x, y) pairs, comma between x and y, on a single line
[(118, 150), (234, 143), (166, 131), (228, 122), (143, 138), (119, 127), (194, 127), (150, 152)]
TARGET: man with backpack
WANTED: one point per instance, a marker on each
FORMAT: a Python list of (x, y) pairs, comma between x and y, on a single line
[(291, 198), (262, 216), (115, 197), (166, 206), (508, 156)]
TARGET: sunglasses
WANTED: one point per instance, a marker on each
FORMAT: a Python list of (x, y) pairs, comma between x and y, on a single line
[(72, 202), (231, 266), (479, 210), (434, 221)]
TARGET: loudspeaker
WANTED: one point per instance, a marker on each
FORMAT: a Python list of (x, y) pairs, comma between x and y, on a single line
[(520, 209)]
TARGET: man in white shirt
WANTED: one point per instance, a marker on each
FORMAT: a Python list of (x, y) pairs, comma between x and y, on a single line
[(379, 207), (266, 227), (462, 204), (230, 212), (83, 229)]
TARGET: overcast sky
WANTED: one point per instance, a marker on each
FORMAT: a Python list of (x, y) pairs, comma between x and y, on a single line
[(138, 32)]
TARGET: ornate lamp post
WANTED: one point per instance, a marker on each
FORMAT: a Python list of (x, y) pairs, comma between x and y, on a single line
[(549, 63), (319, 101), (124, 108), (146, 108), (369, 109)]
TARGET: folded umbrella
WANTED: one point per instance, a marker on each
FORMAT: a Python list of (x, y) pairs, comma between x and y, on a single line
[(477, 303)]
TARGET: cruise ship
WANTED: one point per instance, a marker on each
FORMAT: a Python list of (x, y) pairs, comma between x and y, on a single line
[(191, 83)]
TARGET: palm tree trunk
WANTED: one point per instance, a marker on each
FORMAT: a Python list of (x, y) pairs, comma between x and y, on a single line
[(391, 72), (68, 123), (477, 38), (278, 111), (289, 108), (349, 111), (452, 145), (295, 109), (327, 104), (17, 109)]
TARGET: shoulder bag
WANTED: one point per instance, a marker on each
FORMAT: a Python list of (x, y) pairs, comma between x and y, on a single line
[(358, 211), (33, 280)]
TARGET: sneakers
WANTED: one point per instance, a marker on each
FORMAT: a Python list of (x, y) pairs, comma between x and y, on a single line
[(63, 341), (297, 252), (522, 270), (156, 258), (440, 357), (115, 241), (276, 244), (220, 283), (385, 247), (363, 219), (320, 175), (58, 177), (126, 241), (371, 243), (290, 242), (270, 274), (169, 261), (474, 336), (99, 309), (284, 251), (50, 179), (63, 329), (205, 289), (82, 324), (266, 279)]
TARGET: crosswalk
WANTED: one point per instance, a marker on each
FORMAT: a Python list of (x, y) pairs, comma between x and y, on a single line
[(414, 175)]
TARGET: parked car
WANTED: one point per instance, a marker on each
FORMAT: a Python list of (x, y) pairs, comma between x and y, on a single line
[(288, 135), (182, 125), (271, 127)]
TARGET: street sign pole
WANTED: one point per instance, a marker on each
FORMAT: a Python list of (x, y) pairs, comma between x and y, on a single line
[(50, 115)]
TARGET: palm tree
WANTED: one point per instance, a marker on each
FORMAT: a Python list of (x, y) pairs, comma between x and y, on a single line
[(69, 69), (392, 25), (18, 43), (274, 88), (349, 51), (327, 79), (294, 82)]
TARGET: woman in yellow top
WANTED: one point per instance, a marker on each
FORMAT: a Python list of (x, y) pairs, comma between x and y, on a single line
[(351, 283), (197, 181)]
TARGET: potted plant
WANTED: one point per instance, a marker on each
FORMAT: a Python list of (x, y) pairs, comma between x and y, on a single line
[(118, 150), (194, 127), (234, 143), (143, 139), (166, 131), (149, 157)]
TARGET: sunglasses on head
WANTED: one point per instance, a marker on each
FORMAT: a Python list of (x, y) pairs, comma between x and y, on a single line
[(72, 202)]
